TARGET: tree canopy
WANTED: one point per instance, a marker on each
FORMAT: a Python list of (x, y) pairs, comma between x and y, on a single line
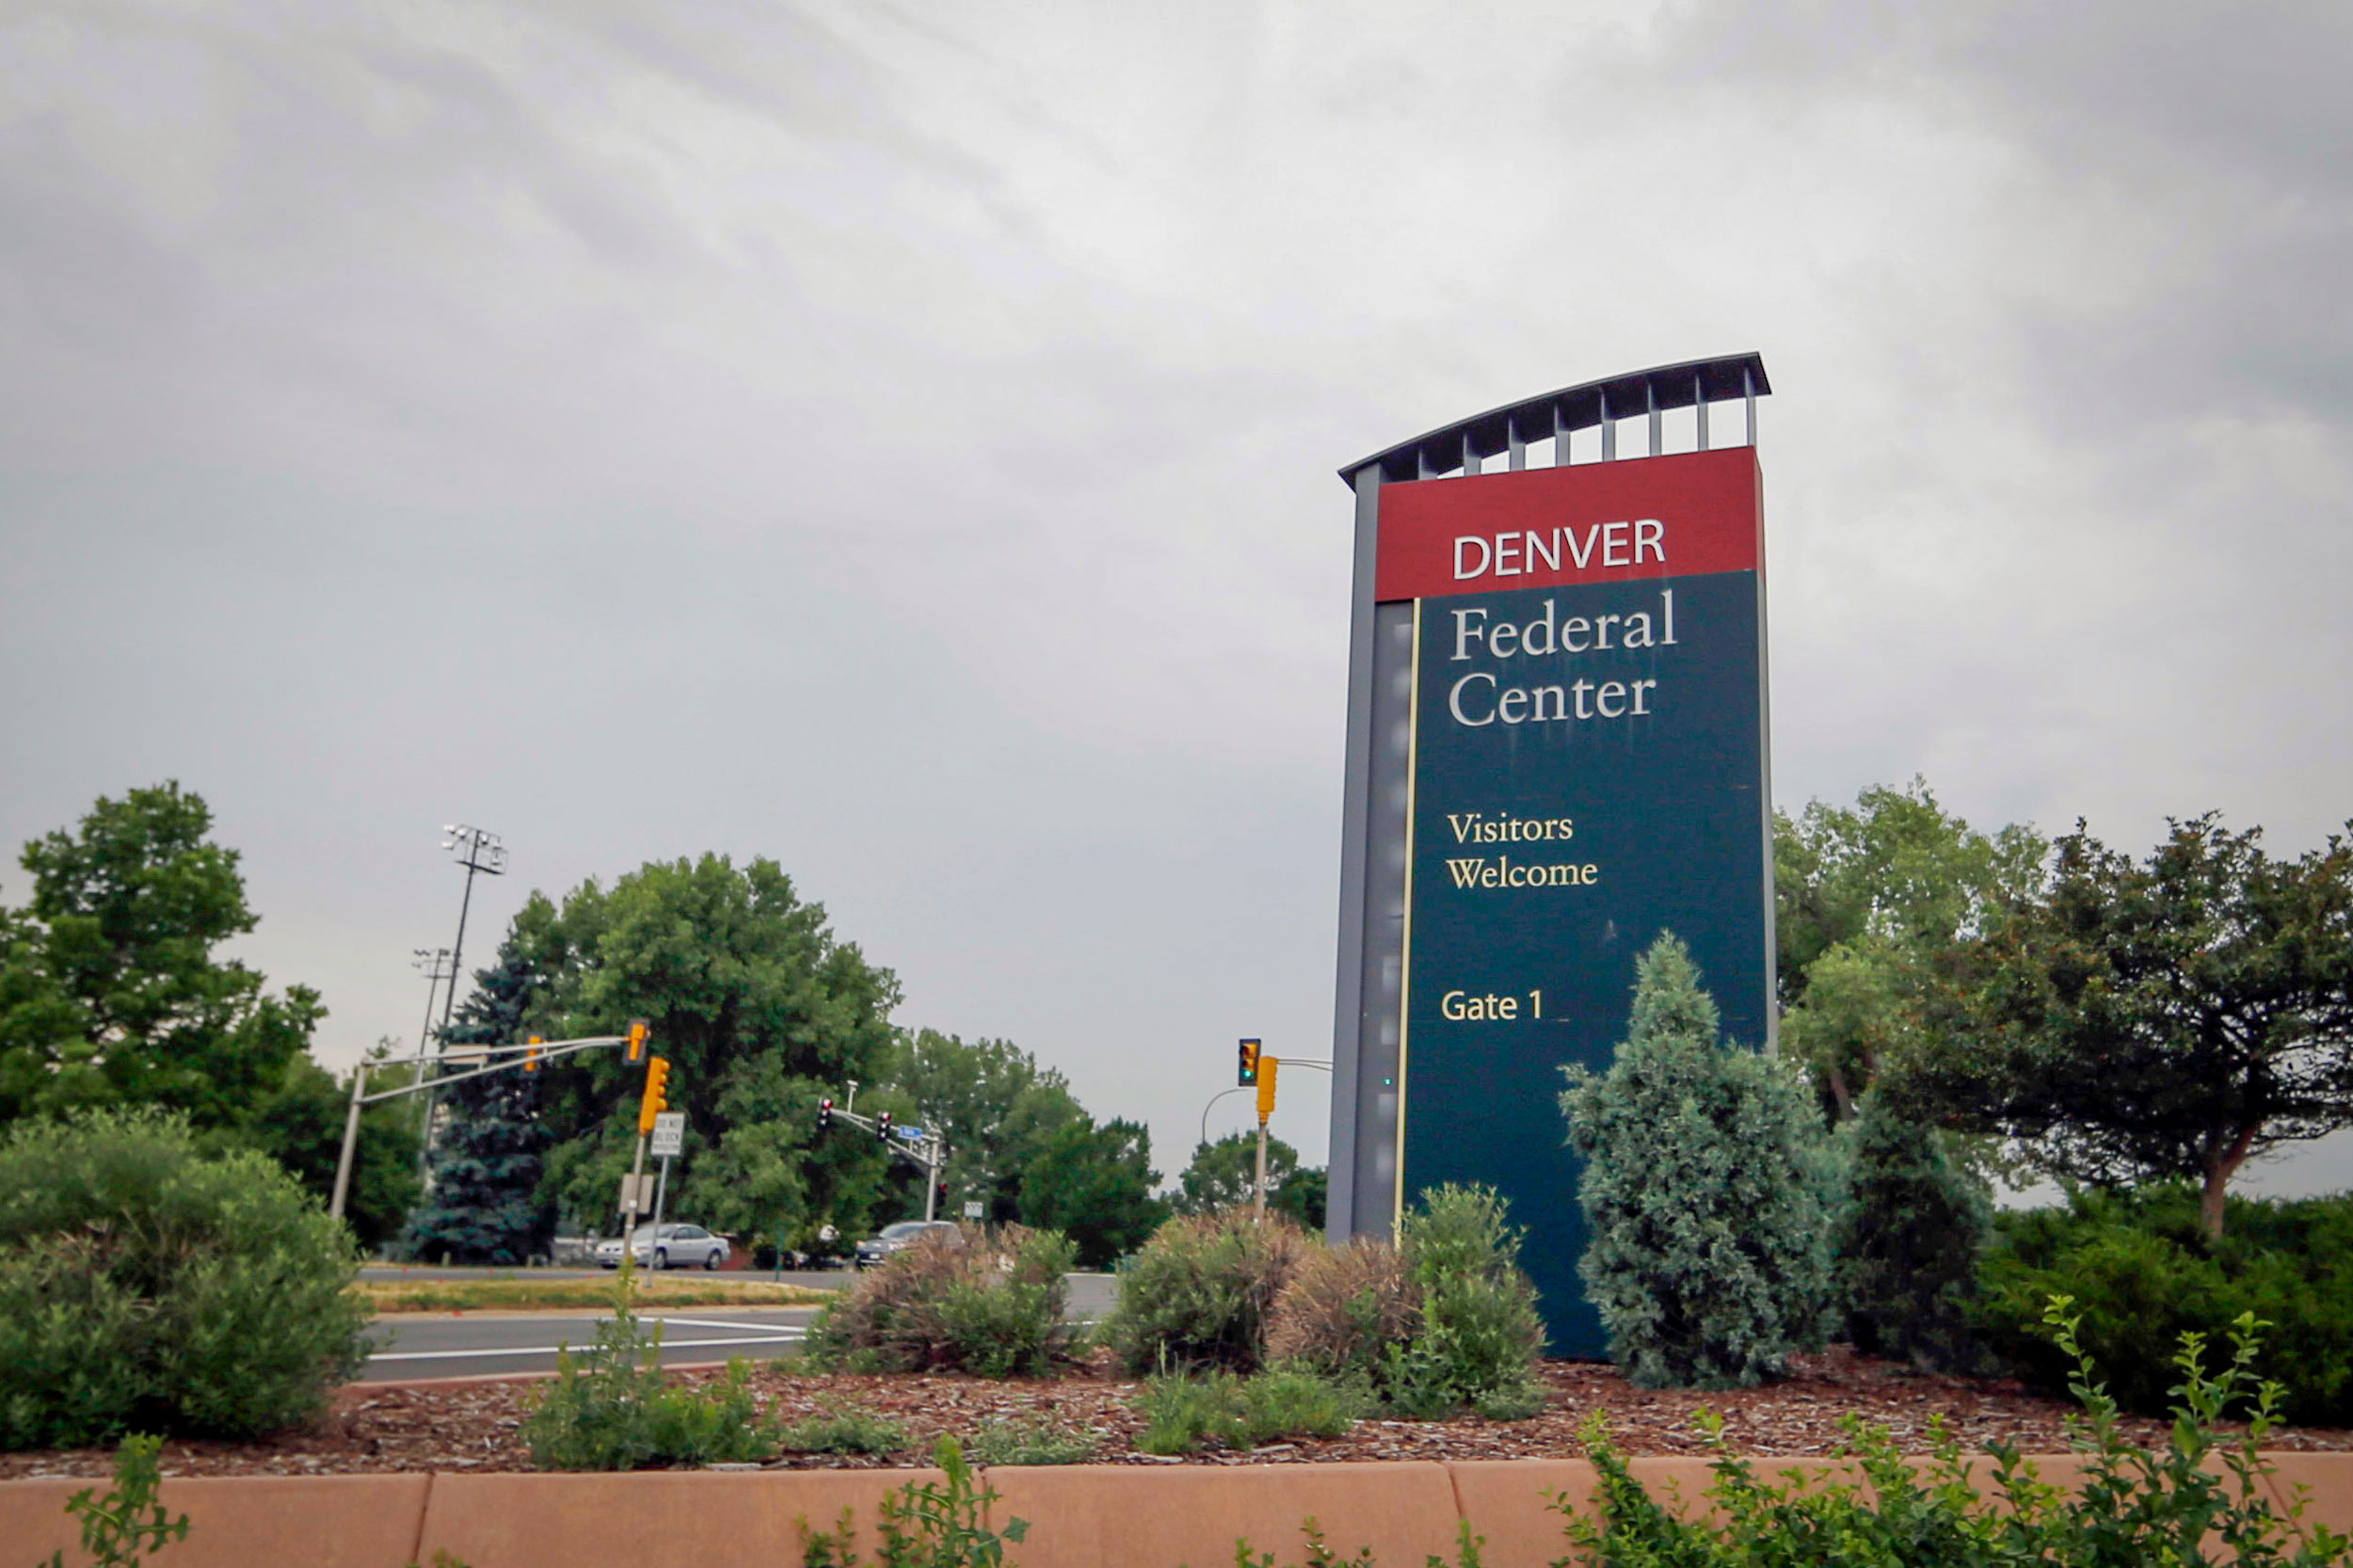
[(997, 1107), (1873, 904), (2170, 1018), (1095, 1185), (760, 1011), (110, 989), (1225, 1173)]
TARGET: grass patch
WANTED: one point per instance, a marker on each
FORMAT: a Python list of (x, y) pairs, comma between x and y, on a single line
[(844, 1431), (1185, 1413), (1033, 1442), (524, 1294)]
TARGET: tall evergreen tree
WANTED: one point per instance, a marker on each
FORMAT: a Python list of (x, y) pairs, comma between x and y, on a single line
[(1909, 1242), (1705, 1191), (483, 1203)]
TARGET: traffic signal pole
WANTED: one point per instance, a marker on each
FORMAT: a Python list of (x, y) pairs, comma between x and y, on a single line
[(637, 1180), (1266, 1069), (655, 1101), (525, 1059)]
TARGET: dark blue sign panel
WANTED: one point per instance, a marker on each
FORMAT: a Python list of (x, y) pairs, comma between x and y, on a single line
[(1588, 771)]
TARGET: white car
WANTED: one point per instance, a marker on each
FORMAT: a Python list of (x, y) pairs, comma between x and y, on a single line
[(673, 1247)]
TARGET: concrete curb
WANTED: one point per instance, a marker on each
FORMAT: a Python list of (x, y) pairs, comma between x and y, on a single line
[(1083, 1517)]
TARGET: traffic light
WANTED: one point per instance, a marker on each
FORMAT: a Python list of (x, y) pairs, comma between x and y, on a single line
[(656, 1100), (1266, 1085), (824, 1114), (882, 1125), (638, 1032), (1248, 1074), (531, 1054)]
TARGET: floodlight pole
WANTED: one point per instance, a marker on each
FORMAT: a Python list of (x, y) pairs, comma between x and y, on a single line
[(477, 851)]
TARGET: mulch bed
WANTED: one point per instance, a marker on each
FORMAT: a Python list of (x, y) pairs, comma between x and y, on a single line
[(471, 1426)]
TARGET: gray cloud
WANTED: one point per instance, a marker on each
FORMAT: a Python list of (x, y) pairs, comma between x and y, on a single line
[(903, 443)]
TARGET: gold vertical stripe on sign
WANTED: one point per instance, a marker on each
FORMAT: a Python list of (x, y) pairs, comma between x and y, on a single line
[(1406, 953)]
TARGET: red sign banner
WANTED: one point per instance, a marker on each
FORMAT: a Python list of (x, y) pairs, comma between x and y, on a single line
[(1681, 516)]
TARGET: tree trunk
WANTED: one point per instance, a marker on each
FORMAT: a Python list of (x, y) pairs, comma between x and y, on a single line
[(2220, 1168)]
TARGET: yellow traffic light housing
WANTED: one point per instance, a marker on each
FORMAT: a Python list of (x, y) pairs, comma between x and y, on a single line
[(531, 1054), (656, 1098), (1266, 1085), (1248, 1072), (638, 1032)]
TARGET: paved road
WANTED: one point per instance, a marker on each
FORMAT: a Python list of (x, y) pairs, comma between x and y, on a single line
[(419, 1344), (822, 1279)]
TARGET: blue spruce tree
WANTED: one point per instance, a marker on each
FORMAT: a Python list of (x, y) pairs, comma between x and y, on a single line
[(484, 1204), (1707, 1187)]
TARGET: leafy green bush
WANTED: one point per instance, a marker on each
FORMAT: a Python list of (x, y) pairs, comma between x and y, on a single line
[(1706, 1191), (1480, 1333), (610, 1407), (1033, 1442), (2193, 1501), (1200, 1292), (944, 1523), (1321, 1555), (127, 1524), (843, 1432), (1445, 1321), (1185, 1412), (142, 1284), (991, 1305), (1909, 1242), (2143, 1273)]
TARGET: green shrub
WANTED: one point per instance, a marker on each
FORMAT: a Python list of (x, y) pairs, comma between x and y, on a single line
[(1445, 1321), (1185, 1412), (2192, 1501), (991, 1304), (1321, 1555), (142, 1284), (1200, 1292), (1909, 1242), (1705, 1191), (610, 1408), (843, 1432), (944, 1523), (1479, 1332), (127, 1524), (1033, 1442), (2143, 1273)]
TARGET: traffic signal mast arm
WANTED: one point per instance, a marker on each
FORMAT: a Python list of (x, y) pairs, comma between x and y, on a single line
[(894, 1140), (543, 1053)]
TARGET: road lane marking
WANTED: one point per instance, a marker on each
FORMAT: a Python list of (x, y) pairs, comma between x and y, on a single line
[(783, 1336), (707, 1322)]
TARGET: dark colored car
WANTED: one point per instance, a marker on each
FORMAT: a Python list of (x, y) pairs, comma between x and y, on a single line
[(898, 1238)]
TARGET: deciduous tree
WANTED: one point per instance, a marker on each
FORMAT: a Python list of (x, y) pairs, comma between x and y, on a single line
[(1225, 1173), (2171, 1019), (1095, 1185), (111, 991)]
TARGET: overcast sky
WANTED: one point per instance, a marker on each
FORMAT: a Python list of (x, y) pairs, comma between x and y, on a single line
[(899, 441)]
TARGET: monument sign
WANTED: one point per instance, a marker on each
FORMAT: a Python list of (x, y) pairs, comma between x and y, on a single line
[(1557, 750)]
